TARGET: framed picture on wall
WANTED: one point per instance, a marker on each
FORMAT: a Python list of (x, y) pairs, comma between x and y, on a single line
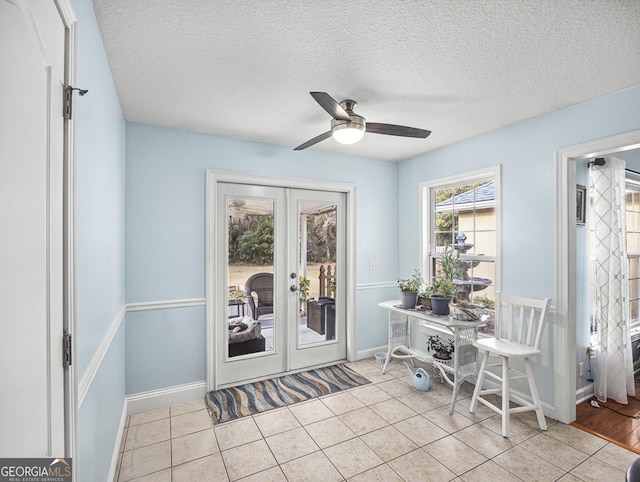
[(581, 194)]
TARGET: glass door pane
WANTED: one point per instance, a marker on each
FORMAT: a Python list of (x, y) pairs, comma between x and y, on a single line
[(317, 268), (251, 236)]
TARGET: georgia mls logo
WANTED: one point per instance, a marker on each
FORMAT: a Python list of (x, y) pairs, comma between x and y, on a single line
[(35, 470), (63, 467)]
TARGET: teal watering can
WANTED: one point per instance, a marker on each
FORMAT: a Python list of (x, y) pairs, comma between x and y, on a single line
[(420, 378)]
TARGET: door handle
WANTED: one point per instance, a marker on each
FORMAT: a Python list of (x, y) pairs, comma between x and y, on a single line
[(293, 288)]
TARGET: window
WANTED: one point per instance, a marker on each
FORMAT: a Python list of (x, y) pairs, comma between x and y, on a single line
[(633, 248), (461, 212)]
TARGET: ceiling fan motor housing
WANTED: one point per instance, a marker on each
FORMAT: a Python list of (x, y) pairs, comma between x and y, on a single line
[(356, 123)]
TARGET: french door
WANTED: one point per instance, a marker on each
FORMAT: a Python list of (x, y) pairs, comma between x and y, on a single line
[(280, 280)]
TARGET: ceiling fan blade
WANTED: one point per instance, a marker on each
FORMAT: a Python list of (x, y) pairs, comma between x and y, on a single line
[(395, 130), (329, 104), (313, 141)]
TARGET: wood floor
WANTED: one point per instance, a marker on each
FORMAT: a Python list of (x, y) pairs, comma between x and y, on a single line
[(615, 422)]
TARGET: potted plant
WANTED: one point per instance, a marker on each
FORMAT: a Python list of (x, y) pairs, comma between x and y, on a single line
[(448, 263), (331, 287), (443, 288), (236, 299), (305, 285), (443, 293), (409, 288), (424, 297), (442, 348), (235, 293)]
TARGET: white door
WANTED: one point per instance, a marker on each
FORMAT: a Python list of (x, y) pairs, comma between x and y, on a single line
[(32, 55), (274, 248), (317, 253)]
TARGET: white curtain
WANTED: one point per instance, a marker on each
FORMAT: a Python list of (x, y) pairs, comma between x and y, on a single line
[(614, 373)]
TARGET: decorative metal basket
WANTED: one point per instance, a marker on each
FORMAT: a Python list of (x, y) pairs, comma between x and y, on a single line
[(466, 311)]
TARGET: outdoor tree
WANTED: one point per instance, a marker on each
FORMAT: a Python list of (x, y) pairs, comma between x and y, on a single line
[(251, 239), (321, 237)]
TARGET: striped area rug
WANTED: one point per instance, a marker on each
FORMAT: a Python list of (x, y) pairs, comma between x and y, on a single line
[(235, 402)]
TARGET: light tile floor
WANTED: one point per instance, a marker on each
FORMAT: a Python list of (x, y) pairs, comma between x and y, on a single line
[(385, 431)]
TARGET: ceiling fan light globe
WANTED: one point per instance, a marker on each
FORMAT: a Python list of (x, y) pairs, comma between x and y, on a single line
[(348, 134)]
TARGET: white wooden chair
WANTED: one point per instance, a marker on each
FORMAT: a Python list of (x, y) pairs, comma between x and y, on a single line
[(518, 332)]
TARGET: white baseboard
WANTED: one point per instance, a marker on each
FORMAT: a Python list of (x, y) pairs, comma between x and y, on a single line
[(165, 397), (369, 353), (585, 393), (116, 448)]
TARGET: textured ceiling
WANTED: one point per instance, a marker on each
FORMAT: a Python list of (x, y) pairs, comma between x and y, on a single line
[(458, 68)]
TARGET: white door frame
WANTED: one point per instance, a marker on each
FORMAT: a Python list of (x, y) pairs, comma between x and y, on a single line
[(69, 277), (213, 299), (565, 380)]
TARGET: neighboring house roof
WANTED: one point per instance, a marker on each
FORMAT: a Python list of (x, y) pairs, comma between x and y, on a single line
[(484, 196)]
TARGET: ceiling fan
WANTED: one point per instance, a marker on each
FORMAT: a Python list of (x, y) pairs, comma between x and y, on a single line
[(348, 127)]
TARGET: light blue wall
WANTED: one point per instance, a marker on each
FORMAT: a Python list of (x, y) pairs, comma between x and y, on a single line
[(632, 158), (100, 247), (165, 348), (165, 234), (100, 190), (100, 414), (527, 153)]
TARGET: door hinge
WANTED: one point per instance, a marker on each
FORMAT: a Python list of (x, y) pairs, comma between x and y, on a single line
[(68, 100), (66, 350)]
